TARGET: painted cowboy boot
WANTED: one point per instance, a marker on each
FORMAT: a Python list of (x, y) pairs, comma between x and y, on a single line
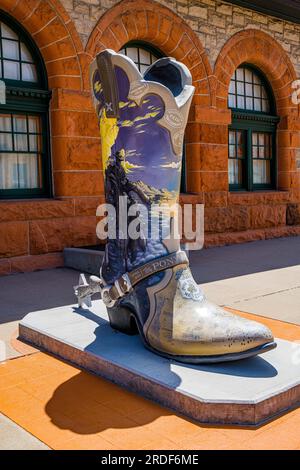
[(146, 283)]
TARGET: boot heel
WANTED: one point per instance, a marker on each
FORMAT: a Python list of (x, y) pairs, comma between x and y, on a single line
[(122, 319)]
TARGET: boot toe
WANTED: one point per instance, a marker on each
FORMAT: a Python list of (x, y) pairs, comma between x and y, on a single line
[(235, 334), (209, 330), (250, 335)]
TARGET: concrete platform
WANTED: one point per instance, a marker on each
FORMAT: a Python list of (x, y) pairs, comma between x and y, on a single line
[(246, 392)]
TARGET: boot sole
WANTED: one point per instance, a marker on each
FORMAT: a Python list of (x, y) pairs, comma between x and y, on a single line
[(121, 319), (217, 358)]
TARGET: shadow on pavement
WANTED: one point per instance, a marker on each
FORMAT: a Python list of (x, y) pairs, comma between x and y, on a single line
[(254, 367), (85, 407), (31, 292)]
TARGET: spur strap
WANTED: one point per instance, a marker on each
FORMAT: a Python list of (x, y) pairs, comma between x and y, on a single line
[(109, 84), (124, 285)]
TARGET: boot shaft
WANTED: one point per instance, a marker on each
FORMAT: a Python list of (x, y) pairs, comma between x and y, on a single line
[(142, 122), (146, 284)]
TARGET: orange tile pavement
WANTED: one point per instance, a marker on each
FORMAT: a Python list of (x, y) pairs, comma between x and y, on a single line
[(68, 408)]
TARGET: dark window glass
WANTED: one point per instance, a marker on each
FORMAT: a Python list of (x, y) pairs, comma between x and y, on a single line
[(247, 91), (20, 152), (252, 134), (261, 157), (236, 156), (17, 62), (24, 149)]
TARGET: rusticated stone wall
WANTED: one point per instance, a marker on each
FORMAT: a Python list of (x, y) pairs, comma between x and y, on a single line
[(214, 21), (212, 38)]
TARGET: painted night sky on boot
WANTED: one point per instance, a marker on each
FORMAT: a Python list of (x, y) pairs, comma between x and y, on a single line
[(149, 157)]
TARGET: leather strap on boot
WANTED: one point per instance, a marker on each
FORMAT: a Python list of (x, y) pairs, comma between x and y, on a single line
[(124, 285), (109, 85)]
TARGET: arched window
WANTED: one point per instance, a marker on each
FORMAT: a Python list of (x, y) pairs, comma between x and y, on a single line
[(24, 127), (252, 134), (143, 55)]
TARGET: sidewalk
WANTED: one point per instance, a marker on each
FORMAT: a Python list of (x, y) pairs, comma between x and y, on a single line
[(261, 278), (69, 408), (23, 293), (14, 437)]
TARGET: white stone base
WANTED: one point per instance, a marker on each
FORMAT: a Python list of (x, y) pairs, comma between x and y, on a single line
[(243, 392)]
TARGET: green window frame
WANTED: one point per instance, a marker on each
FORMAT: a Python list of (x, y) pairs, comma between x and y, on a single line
[(24, 118), (154, 54), (252, 163)]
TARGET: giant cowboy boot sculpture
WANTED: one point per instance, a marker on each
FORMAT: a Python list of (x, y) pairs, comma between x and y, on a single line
[(146, 283)]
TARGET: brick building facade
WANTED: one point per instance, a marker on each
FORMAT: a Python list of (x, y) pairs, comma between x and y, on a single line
[(213, 38)]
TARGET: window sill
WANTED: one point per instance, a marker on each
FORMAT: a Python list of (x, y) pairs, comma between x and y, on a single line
[(190, 198), (243, 192), (34, 209), (263, 196)]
